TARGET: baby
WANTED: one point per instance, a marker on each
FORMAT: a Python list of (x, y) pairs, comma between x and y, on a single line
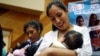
[(73, 40)]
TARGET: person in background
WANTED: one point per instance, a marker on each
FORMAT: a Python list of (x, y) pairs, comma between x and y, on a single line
[(80, 20), (4, 52), (33, 30), (92, 23), (97, 31), (2, 44), (57, 12), (1, 40), (95, 37), (92, 20)]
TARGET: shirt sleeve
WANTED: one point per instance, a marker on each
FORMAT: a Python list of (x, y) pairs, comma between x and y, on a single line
[(86, 49)]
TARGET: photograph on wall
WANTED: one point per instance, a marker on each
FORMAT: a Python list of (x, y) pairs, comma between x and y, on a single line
[(87, 13)]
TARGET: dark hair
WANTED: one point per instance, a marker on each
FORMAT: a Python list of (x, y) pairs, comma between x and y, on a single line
[(73, 39), (58, 4), (1, 40), (35, 24), (54, 28), (97, 22), (1, 34), (78, 17), (91, 16)]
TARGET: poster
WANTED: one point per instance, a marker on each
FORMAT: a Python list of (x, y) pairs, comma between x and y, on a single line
[(87, 13)]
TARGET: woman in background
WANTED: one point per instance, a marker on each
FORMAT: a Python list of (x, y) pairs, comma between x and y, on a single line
[(92, 20), (33, 30)]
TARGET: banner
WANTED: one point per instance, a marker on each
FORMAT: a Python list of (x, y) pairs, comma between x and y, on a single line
[(87, 13)]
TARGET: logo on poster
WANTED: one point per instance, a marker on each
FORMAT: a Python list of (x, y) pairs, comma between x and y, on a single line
[(77, 7)]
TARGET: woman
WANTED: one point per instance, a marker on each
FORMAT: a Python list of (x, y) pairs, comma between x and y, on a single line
[(33, 30), (95, 37), (57, 12), (92, 20)]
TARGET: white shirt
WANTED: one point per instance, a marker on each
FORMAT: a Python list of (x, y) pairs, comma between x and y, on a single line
[(52, 36)]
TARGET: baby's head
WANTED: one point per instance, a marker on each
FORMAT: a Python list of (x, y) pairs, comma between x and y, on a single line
[(73, 39)]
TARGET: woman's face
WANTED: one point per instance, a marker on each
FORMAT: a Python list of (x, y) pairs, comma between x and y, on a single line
[(32, 34), (58, 17), (94, 18)]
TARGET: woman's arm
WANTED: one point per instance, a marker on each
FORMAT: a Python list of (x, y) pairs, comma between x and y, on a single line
[(58, 52)]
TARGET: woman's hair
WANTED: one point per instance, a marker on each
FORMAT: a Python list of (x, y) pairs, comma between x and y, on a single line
[(91, 17), (73, 39), (58, 4), (79, 17), (97, 22), (35, 24)]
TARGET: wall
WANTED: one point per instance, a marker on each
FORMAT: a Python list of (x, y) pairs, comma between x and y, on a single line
[(45, 20), (30, 4)]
